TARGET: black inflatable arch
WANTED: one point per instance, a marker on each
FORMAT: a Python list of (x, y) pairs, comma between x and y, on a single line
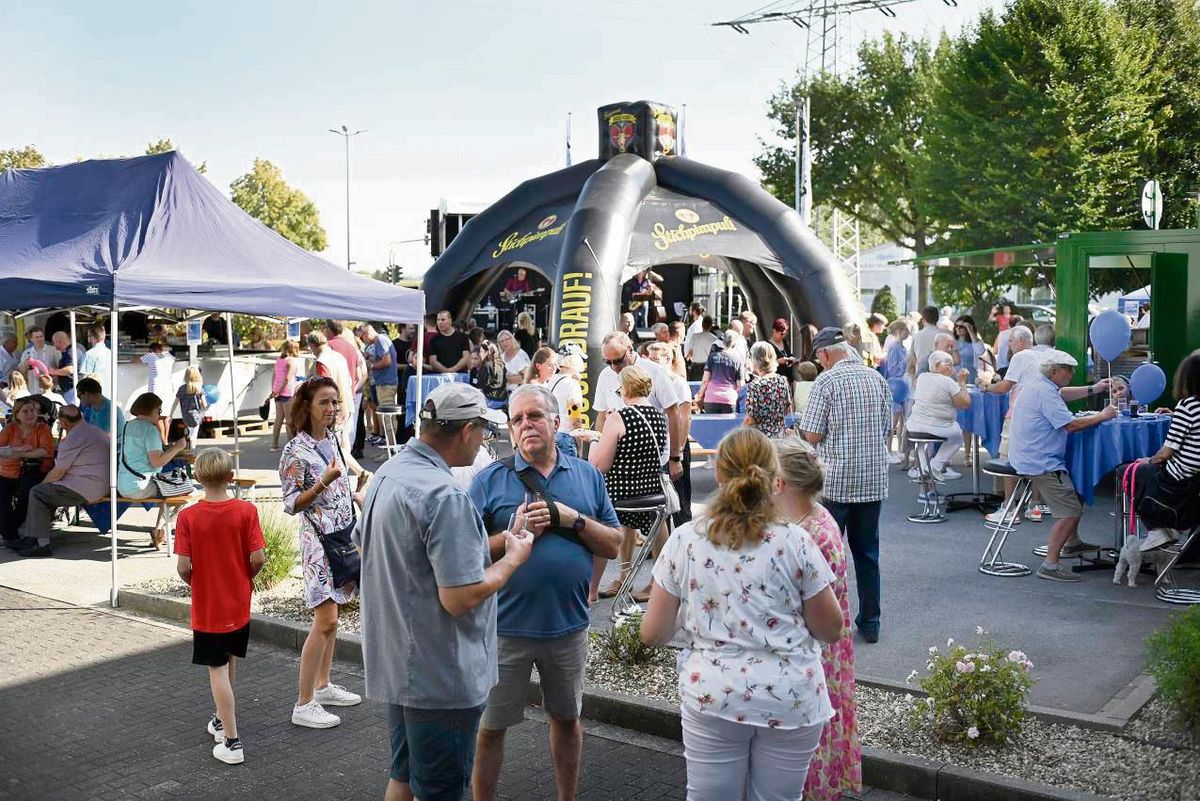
[(586, 227)]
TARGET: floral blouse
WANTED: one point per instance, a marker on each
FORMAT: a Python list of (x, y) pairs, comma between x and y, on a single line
[(750, 657), (768, 400)]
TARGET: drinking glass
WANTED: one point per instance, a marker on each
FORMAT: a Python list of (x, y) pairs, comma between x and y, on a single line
[(518, 524), (1123, 405)]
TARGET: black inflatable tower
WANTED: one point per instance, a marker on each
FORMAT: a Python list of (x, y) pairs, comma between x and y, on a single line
[(589, 227)]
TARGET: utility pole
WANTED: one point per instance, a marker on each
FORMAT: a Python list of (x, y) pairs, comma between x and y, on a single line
[(346, 134)]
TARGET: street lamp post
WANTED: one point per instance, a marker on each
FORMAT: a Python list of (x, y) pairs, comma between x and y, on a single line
[(346, 134)]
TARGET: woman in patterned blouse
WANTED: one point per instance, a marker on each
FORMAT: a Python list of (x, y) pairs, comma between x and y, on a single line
[(769, 396), (313, 475), (756, 599)]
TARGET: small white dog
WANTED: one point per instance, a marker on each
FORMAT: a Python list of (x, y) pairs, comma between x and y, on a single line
[(1131, 560)]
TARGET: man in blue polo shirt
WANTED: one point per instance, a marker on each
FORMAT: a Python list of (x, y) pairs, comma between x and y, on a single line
[(543, 611), (1037, 448)]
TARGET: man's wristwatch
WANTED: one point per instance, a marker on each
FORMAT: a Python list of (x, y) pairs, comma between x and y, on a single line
[(580, 523), (677, 459)]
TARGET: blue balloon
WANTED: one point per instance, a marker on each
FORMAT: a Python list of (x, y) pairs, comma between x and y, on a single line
[(212, 393), (899, 389), (1147, 383), (1110, 334)]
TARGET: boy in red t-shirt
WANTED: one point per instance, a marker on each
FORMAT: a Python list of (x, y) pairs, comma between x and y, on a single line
[(220, 548)]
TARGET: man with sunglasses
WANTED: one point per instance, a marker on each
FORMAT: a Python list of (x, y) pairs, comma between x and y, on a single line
[(428, 591), (543, 610), (79, 477), (618, 353)]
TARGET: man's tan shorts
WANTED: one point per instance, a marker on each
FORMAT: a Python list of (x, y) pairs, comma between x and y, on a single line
[(560, 662), (385, 394), (1059, 494)]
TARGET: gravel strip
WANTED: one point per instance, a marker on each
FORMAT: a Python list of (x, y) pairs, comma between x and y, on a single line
[(1151, 761)]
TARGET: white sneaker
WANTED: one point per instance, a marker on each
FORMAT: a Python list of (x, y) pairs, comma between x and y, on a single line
[(312, 715), (1158, 538), (948, 474), (216, 729), (230, 756), (895, 458), (914, 472), (996, 516), (336, 695)]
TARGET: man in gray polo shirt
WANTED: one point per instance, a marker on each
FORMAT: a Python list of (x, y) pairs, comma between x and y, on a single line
[(428, 598)]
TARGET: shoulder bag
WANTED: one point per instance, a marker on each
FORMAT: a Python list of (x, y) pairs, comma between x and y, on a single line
[(345, 563), (674, 505), (533, 482), (171, 483)]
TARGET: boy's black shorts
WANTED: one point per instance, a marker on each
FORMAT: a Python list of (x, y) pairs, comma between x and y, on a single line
[(214, 650)]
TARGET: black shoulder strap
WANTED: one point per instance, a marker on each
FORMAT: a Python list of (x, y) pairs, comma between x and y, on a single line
[(532, 480)]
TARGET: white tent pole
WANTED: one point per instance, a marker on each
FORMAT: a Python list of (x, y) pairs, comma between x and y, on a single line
[(237, 448), (74, 359), (420, 373), (114, 327)]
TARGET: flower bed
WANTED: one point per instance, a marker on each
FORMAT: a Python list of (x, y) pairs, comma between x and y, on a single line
[(1152, 760)]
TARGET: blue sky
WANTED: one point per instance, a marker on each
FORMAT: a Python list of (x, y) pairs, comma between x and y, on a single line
[(461, 98)]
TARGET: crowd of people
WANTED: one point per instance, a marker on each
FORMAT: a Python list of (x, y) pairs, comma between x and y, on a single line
[(472, 570)]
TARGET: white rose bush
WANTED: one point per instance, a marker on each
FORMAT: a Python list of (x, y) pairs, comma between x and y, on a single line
[(974, 697)]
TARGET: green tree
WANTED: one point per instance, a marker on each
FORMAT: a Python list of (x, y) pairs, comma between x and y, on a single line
[(867, 138), (165, 145), (1041, 122), (264, 195), (1173, 27), (885, 303), (23, 158)]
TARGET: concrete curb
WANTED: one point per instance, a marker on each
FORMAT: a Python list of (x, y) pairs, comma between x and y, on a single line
[(884, 769)]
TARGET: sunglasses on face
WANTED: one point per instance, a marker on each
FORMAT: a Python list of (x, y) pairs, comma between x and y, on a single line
[(533, 417), (618, 360)]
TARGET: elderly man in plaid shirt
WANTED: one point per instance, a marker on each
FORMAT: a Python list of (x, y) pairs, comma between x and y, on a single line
[(847, 418)]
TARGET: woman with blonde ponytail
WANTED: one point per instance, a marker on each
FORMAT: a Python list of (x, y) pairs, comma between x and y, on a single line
[(755, 600)]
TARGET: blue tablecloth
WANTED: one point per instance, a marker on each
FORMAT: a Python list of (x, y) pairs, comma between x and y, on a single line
[(429, 381), (708, 429), (1095, 452), (985, 418), (694, 386)]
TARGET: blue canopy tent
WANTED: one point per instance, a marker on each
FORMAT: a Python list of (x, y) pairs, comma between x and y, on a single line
[(151, 231)]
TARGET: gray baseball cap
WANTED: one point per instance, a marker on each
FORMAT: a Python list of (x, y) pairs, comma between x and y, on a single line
[(459, 401)]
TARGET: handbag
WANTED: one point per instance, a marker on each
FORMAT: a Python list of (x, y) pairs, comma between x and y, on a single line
[(264, 411), (674, 505), (345, 563), (171, 483)]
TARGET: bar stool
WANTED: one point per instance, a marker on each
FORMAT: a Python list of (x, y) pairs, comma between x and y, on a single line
[(932, 510), (643, 503), (389, 421), (992, 562), (1165, 588)]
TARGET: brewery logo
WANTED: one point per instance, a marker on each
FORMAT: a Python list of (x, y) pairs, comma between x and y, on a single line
[(666, 132), (517, 240), (547, 222), (687, 216), (664, 237), (622, 127)]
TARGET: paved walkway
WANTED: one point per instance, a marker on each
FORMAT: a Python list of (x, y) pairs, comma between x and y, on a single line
[(101, 705)]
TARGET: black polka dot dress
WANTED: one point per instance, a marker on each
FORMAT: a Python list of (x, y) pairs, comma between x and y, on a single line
[(638, 462)]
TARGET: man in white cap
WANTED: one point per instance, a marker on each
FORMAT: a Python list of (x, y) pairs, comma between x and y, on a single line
[(428, 592), (1038, 448)]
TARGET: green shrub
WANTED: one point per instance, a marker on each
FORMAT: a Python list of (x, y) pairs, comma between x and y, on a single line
[(622, 643), (975, 697), (279, 532), (1174, 661)]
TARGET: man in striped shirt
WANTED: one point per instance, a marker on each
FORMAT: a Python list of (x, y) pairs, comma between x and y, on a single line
[(849, 418)]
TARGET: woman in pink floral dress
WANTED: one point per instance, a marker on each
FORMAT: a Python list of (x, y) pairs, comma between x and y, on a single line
[(836, 767)]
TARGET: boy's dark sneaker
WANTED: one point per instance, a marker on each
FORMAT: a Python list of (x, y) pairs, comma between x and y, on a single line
[(216, 729), (36, 550)]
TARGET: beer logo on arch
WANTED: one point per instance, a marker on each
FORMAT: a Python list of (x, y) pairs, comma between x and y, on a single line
[(666, 132), (687, 216), (547, 222), (622, 128)]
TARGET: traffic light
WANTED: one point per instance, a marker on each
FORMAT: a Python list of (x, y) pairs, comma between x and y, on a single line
[(395, 274)]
